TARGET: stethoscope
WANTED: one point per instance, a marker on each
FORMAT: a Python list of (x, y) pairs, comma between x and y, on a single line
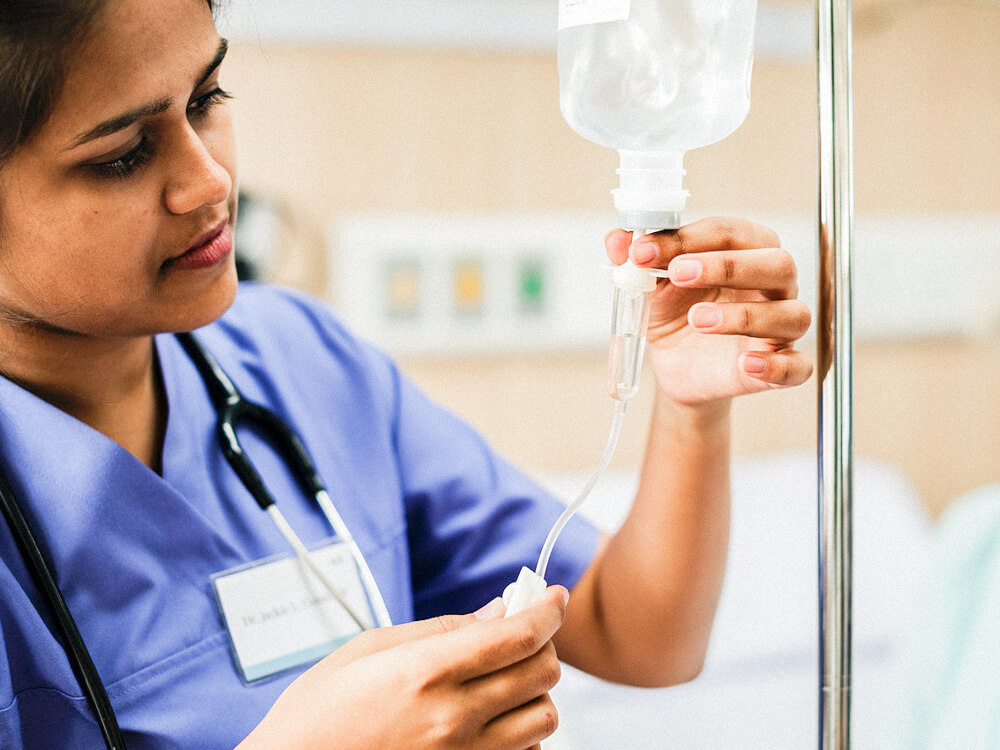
[(231, 408)]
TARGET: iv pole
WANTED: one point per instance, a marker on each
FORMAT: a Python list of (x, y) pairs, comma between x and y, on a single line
[(834, 360)]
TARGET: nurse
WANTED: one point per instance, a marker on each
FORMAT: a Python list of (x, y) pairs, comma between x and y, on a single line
[(117, 204)]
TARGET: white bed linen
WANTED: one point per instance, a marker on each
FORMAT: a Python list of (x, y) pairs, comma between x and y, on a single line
[(759, 687)]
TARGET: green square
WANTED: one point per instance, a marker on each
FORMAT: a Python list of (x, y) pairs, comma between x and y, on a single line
[(532, 286)]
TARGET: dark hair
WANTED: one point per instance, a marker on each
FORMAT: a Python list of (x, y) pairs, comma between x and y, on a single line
[(37, 38)]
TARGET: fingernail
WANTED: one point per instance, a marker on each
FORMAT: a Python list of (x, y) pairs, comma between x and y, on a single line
[(491, 610), (685, 270), (705, 316), (643, 252), (754, 364)]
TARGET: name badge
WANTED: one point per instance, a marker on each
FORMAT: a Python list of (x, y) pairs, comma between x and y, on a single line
[(279, 615)]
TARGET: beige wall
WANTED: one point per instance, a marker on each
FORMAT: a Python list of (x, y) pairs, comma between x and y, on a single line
[(931, 408), (334, 131)]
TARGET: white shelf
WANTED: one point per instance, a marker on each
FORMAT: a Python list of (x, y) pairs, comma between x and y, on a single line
[(914, 276)]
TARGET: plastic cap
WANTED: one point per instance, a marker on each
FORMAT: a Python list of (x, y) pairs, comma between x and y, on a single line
[(630, 276), (650, 192), (525, 591)]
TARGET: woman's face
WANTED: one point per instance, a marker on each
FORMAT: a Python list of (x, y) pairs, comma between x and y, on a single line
[(116, 215)]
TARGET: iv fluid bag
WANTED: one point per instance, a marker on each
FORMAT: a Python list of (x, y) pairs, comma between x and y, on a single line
[(655, 75)]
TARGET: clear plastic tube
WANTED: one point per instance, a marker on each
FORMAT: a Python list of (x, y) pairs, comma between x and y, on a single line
[(572, 508), (630, 319)]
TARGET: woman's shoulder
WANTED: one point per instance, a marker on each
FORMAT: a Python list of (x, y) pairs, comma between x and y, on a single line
[(285, 321), (259, 307), (278, 329)]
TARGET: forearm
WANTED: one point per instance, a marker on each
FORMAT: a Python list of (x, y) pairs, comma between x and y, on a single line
[(642, 613)]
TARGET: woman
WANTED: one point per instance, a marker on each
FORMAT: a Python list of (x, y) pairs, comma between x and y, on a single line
[(117, 202)]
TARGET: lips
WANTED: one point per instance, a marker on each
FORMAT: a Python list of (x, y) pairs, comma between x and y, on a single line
[(206, 251)]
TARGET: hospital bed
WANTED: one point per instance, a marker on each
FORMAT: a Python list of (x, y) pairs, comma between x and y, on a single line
[(758, 688)]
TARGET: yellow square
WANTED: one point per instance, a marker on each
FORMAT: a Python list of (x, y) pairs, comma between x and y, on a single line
[(403, 290), (468, 286)]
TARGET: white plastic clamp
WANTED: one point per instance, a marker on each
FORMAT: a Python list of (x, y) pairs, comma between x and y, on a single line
[(525, 591)]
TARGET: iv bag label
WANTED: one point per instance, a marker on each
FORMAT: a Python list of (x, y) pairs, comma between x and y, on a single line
[(583, 12)]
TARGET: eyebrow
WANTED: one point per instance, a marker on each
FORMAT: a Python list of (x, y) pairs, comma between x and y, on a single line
[(122, 121)]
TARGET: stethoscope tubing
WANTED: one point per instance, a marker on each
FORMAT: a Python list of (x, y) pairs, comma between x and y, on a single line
[(329, 510), (231, 407), (77, 651), (303, 554)]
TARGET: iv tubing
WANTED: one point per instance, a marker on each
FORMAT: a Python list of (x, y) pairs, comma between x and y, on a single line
[(609, 449), (572, 508)]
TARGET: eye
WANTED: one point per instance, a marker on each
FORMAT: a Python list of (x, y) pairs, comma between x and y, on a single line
[(199, 107), (127, 164)]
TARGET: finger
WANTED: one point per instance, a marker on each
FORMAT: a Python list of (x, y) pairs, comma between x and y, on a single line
[(617, 242), (784, 320), (520, 683), (490, 645), (770, 269), (785, 368), (706, 235), (525, 726), (379, 639)]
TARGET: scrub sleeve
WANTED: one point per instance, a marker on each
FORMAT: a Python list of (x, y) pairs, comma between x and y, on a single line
[(444, 522)]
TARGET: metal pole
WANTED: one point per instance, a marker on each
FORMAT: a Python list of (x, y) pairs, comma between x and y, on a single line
[(835, 355)]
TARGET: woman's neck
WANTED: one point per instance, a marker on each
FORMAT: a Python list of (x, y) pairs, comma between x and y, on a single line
[(113, 385)]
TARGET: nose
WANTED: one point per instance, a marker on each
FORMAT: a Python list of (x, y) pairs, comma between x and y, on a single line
[(196, 179)]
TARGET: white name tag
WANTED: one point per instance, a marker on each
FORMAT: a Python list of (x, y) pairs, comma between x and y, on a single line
[(279, 614)]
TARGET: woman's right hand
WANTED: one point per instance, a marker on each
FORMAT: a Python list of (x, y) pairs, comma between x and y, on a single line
[(464, 681)]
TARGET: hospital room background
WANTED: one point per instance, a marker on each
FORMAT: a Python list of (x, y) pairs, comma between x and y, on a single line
[(441, 204)]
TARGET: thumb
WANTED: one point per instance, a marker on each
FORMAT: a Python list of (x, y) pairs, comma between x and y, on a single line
[(411, 631), (379, 639)]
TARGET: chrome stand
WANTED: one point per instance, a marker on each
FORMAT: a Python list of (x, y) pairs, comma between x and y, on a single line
[(834, 362)]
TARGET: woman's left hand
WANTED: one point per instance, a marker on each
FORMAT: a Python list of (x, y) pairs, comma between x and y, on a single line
[(727, 321)]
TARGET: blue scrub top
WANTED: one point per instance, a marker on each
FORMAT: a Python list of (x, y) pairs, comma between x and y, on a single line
[(444, 522)]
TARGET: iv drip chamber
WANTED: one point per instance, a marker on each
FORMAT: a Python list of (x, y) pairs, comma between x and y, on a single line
[(634, 289), (629, 320)]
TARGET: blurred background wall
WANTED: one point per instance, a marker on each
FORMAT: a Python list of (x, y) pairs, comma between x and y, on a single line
[(332, 129)]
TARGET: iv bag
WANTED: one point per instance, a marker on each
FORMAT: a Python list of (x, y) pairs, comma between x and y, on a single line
[(672, 75), (655, 79)]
